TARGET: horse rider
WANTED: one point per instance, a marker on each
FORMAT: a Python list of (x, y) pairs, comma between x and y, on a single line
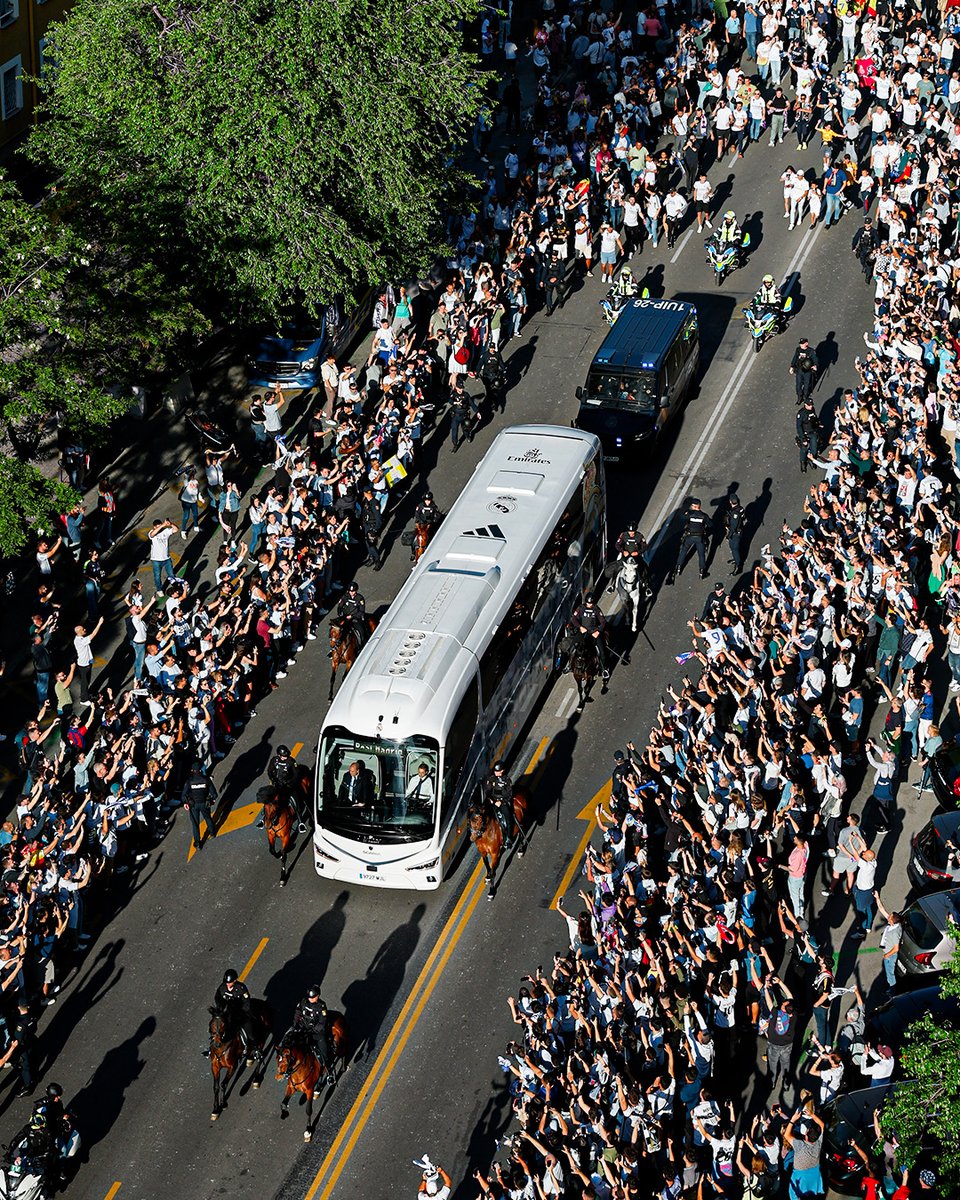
[(284, 774), (590, 622), (427, 514), (352, 613), (310, 1019), (232, 1002), (498, 794)]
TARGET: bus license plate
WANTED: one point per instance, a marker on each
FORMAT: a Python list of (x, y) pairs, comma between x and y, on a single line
[(371, 875)]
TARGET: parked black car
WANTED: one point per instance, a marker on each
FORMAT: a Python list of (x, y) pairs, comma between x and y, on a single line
[(944, 772), (935, 854)]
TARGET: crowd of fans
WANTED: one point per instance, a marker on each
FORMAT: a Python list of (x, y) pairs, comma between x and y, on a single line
[(694, 953)]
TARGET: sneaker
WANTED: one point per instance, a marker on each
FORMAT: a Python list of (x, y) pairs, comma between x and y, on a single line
[(142, 857), (281, 675), (709, 224), (786, 216), (825, 892), (589, 274), (312, 637)]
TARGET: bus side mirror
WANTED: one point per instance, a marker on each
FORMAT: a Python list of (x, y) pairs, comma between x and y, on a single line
[(579, 393)]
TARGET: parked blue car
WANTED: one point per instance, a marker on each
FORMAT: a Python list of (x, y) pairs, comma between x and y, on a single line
[(291, 357)]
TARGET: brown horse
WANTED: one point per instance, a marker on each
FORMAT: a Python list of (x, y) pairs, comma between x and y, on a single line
[(421, 539), (300, 1067), (280, 820), (486, 834), (585, 666), (226, 1051), (344, 647)]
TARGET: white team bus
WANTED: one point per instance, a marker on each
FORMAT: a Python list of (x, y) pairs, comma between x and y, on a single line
[(456, 665)]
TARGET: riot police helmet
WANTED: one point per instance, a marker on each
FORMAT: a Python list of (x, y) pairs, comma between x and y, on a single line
[(230, 976), (498, 767), (283, 751)]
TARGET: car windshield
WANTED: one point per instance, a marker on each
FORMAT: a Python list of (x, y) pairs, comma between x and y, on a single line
[(377, 790), (632, 391)]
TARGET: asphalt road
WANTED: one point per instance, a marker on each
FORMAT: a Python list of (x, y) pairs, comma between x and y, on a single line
[(126, 1036)]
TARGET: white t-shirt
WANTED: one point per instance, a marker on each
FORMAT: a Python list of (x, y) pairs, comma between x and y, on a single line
[(84, 653), (160, 545)]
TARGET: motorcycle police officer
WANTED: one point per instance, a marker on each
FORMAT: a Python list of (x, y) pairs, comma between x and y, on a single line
[(198, 797), (427, 514), (803, 366), (310, 1019), (768, 297), (694, 537), (352, 612), (590, 623), (284, 774), (498, 794), (232, 1001), (808, 433)]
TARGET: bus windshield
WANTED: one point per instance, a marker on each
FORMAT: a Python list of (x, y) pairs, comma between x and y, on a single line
[(376, 790), (633, 391)]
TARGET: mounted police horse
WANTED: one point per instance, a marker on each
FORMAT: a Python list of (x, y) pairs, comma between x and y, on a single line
[(345, 646), (633, 589), (227, 1051), (280, 818), (487, 834), (299, 1066)]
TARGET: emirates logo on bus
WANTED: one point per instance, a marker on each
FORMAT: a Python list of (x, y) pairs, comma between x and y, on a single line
[(529, 457)]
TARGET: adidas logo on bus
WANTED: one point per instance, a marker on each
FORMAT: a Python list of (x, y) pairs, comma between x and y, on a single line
[(492, 531)]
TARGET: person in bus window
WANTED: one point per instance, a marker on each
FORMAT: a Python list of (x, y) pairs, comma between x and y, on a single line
[(418, 797), (356, 790)]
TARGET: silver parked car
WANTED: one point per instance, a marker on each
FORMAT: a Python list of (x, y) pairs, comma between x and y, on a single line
[(929, 933), (935, 854)]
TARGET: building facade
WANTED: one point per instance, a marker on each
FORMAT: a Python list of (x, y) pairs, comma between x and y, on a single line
[(25, 51)]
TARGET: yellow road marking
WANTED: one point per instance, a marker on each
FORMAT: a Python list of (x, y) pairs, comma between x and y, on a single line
[(537, 754), (297, 747), (252, 960), (403, 1027), (589, 814), (113, 1191)]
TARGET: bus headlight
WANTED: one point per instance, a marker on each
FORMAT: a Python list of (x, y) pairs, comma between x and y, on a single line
[(427, 866), (323, 854)]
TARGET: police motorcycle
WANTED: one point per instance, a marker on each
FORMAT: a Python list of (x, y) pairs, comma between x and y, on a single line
[(765, 319), (725, 257), (41, 1157), (616, 298)]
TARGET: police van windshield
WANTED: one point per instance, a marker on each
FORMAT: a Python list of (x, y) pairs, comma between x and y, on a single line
[(635, 391), (374, 790)]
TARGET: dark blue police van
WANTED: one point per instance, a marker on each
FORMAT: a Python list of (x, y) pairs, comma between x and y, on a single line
[(640, 376)]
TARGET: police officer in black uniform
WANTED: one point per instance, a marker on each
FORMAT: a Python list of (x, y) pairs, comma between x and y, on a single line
[(310, 1019), (589, 622), (733, 521), (352, 612), (198, 798), (866, 242), (808, 433), (696, 527), (498, 794), (371, 518), (630, 543), (461, 418), (232, 1001), (494, 376), (713, 604), (427, 514), (284, 774), (803, 367)]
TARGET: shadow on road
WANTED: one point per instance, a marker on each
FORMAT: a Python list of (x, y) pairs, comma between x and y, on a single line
[(99, 1102), (309, 967), (367, 1001), (483, 1140)]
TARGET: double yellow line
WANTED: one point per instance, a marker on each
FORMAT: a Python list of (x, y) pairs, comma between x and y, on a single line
[(389, 1055)]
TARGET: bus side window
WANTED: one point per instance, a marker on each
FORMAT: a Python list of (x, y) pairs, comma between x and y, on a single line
[(459, 740), (500, 654)]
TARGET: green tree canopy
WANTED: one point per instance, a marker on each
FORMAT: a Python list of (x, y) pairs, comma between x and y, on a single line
[(270, 151), (80, 322), (924, 1111)]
